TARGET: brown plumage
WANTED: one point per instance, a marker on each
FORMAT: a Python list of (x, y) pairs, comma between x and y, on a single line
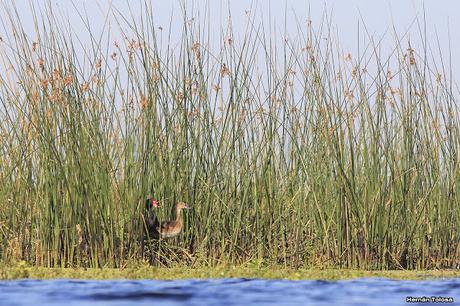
[(170, 229)]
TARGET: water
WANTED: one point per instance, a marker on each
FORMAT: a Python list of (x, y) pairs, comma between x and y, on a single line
[(376, 291)]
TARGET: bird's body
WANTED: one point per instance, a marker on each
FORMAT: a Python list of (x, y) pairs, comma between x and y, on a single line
[(170, 229)]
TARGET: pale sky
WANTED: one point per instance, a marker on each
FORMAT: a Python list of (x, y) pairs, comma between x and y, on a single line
[(379, 16)]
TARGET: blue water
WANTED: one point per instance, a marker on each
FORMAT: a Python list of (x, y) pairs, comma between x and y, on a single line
[(376, 291)]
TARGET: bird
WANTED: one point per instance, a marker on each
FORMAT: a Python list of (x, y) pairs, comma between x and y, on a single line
[(170, 229), (150, 233), (150, 219)]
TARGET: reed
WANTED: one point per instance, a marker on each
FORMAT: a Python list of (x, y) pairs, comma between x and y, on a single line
[(290, 153)]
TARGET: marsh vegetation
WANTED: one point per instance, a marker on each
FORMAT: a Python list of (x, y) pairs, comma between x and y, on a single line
[(290, 151)]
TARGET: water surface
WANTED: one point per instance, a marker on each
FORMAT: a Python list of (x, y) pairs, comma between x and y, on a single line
[(365, 291)]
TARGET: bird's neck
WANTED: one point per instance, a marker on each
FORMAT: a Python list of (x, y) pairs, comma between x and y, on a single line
[(178, 214), (151, 217)]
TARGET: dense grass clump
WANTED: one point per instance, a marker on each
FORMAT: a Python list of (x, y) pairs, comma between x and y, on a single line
[(290, 152)]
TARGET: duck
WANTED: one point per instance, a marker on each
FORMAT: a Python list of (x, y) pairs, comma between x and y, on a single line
[(170, 229), (151, 222)]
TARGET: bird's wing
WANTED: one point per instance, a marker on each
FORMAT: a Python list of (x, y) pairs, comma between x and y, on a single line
[(167, 225)]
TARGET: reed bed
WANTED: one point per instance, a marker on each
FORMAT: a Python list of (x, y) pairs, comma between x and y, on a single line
[(290, 151)]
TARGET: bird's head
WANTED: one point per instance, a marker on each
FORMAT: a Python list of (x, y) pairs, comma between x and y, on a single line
[(152, 203), (181, 205)]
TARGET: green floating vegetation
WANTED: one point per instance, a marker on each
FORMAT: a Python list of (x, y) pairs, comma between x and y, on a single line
[(292, 154), (22, 271)]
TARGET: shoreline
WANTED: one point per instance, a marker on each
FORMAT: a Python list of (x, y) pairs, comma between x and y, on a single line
[(145, 272)]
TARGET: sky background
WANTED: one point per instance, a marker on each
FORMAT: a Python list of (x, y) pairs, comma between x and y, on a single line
[(379, 16)]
